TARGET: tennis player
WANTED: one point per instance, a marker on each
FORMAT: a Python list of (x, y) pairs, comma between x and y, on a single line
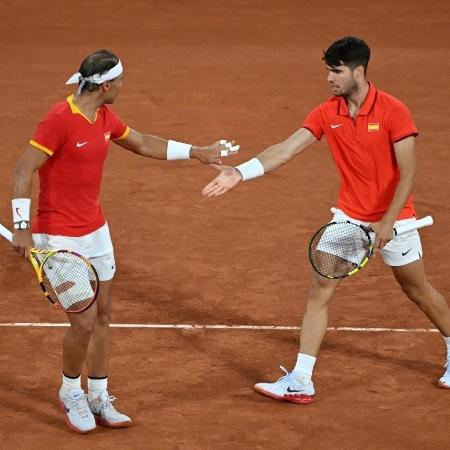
[(68, 149), (371, 136)]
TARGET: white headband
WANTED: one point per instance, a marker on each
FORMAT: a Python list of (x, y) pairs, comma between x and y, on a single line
[(97, 78)]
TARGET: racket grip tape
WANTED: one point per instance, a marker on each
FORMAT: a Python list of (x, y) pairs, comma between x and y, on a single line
[(415, 225), (6, 233)]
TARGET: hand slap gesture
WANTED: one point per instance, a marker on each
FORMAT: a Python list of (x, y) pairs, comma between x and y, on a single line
[(213, 153), (226, 180)]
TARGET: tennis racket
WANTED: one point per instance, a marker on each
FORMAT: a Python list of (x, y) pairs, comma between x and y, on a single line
[(69, 281), (341, 249)]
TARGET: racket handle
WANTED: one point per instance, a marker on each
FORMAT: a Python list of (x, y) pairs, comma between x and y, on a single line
[(6, 233), (424, 222)]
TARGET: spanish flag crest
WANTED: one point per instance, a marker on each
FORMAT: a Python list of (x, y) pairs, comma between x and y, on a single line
[(373, 127)]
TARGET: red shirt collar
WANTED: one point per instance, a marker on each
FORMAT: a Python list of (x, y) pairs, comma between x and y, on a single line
[(366, 106)]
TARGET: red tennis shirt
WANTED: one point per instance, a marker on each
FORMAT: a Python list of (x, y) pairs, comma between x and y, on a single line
[(70, 179), (363, 150)]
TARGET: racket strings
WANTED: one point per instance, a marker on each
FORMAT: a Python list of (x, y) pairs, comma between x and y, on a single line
[(339, 248), (70, 281)]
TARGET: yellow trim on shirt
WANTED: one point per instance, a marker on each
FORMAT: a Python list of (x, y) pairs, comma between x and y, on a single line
[(41, 147), (124, 135), (75, 110)]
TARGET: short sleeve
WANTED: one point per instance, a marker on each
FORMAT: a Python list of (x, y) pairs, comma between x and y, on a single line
[(119, 130), (49, 135), (314, 123), (400, 122)]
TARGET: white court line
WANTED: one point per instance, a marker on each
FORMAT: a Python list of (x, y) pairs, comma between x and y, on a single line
[(187, 326)]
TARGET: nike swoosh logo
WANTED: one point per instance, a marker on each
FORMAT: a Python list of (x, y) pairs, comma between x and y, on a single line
[(336, 125), (18, 213), (81, 144), (403, 254), (293, 390)]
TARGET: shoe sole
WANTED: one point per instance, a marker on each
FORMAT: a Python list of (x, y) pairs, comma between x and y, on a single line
[(300, 399), (105, 423), (69, 423)]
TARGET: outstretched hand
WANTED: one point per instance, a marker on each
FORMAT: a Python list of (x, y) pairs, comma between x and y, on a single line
[(213, 153), (226, 180)]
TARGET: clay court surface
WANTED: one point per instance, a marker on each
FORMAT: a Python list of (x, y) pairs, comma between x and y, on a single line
[(197, 71)]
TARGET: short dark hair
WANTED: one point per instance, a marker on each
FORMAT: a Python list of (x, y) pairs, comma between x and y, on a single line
[(98, 62), (349, 51)]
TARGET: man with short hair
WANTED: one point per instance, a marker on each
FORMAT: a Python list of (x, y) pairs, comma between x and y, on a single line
[(68, 149), (371, 138)]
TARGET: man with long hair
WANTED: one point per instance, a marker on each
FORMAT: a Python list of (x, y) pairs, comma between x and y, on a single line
[(68, 149)]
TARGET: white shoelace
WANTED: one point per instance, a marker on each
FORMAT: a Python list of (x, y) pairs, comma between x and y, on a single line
[(81, 405), (107, 405), (288, 374)]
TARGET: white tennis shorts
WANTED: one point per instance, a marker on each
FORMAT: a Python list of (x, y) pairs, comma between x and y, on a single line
[(96, 247), (401, 250)]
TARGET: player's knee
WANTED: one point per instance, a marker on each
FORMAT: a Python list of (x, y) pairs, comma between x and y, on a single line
[(415, 292), (320, 293), (323, 285), (104, 316), (104, 311), (84, 327), (104, 308)]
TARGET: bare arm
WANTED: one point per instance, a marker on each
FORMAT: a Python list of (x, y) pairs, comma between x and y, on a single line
[(32, 159), (406, 159), (156, 147), (279, 154), (270, 159)]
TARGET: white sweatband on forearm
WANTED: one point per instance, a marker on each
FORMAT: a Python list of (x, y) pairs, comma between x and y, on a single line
[(251, 169), (177, 150), (21, 209)]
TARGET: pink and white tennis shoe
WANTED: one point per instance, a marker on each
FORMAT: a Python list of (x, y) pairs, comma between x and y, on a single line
[(288, 389), (79, 417), (105, 414), (444, 381)]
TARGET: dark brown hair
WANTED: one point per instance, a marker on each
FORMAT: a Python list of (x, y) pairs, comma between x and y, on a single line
[(98, 62), (349, 51)]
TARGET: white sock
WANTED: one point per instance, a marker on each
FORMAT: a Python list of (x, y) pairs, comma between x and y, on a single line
[(69, 384), (447, 341), (96, 386), (304, 367)]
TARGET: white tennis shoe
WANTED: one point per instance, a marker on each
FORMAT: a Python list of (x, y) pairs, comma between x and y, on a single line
[(444, 381), (78, 415), (287, 388), (105, 414)]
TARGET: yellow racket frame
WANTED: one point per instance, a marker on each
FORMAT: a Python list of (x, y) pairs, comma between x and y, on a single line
[(39, 264)]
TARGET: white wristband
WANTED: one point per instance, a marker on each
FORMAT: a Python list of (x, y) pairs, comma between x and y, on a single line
[(177, 150), (251, 169), (21, 209)]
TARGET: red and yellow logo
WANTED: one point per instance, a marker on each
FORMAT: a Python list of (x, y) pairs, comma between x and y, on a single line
[(373, 127)]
